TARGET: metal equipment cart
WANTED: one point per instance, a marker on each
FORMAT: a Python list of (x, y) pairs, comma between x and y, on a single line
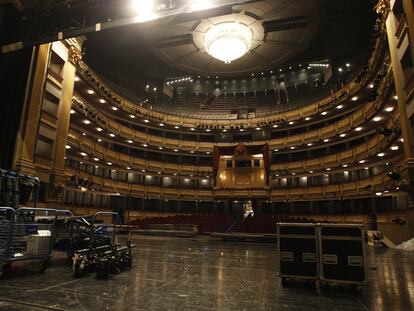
[(87, 232), (15, 188), (101, 230), (25, 237)]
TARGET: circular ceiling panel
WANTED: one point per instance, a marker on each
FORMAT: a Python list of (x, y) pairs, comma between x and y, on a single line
[(281, 29)]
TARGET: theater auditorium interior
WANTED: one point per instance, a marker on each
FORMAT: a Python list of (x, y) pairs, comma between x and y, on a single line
[(206, 155)]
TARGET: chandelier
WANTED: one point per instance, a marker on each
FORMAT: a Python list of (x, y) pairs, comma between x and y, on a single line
[(228, 41)]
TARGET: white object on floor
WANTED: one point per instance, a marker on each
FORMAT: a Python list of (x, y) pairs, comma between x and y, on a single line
[(407, 245)]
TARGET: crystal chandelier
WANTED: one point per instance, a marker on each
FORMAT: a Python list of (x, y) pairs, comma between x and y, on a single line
[(228, 41)]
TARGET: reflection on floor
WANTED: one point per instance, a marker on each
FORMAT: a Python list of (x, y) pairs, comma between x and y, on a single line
[(201, 274)]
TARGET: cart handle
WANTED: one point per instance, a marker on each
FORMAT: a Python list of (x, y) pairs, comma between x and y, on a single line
[(8, 209), (104, 213), (64, 211), (22, 209)]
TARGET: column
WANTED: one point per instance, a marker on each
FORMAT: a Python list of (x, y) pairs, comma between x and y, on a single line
[(57, 179), (24, 156)]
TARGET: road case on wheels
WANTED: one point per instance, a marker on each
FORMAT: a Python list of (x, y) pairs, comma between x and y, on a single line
[(342, 253), (297, 247)]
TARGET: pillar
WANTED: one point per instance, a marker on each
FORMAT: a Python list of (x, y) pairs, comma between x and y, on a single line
[(24, 155), (399, 17), (57, 179)]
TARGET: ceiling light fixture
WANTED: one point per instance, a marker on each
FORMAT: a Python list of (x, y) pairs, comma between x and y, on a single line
[(228, 41), (145, 10)]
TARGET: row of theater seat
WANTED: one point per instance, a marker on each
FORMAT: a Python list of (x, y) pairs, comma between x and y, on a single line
[(264, 103), (222, 222), (205, 223)]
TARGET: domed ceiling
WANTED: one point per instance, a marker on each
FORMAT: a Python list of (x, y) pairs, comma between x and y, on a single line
[(283, 31)]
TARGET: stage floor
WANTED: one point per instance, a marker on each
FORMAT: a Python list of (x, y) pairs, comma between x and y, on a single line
[(204, 274)]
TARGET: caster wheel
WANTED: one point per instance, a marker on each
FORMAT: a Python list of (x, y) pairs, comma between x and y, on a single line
[(5, 270), (43, 266)]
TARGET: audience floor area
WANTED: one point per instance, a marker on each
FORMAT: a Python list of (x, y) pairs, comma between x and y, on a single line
[(204, 274)]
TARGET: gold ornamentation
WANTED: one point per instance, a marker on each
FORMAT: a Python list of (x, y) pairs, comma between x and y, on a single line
[(75, 56), (240, 150), (383, 7)]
